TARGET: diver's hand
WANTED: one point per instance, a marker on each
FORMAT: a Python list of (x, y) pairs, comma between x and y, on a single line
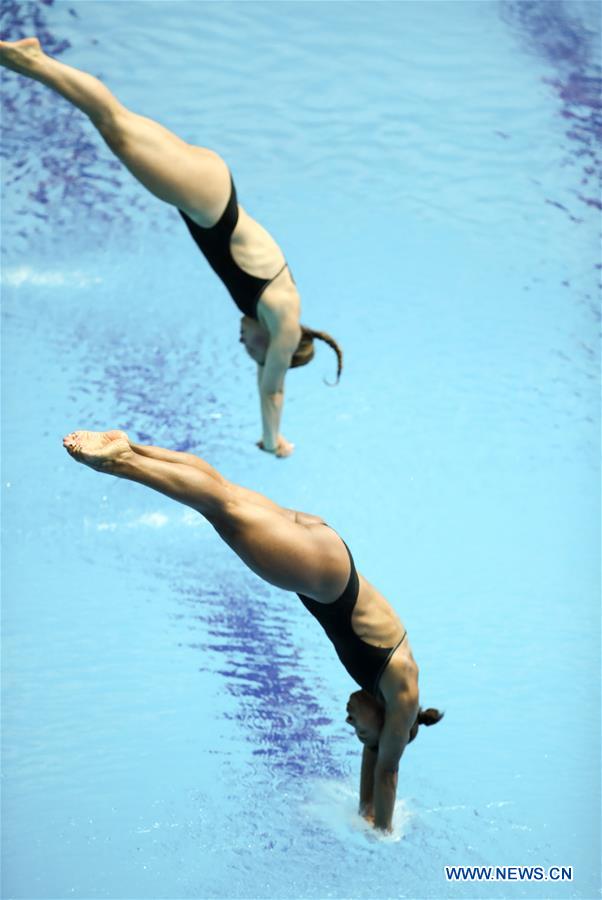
[(282, 449), (366, 811)]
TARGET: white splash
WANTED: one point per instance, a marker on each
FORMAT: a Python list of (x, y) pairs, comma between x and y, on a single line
[(334, 805), (193, 519), (189, 519), (151, 520), (49, 278)]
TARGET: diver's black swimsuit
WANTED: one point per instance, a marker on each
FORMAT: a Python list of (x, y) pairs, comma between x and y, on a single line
[(214, 244), (364, 662)]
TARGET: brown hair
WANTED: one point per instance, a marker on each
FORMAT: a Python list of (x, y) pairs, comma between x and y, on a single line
[(305, 349), (426, 717)]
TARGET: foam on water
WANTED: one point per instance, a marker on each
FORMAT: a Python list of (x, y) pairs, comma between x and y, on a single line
[(26, 275), (334, 805)]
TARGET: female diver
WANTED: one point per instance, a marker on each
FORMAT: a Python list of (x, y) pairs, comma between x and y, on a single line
[(300, 553), (198, 183)]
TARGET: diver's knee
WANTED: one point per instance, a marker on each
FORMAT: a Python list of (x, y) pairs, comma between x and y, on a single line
[(112, 125)]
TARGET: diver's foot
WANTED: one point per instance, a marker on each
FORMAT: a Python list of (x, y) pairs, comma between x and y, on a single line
[(101, 450), (21, 56)]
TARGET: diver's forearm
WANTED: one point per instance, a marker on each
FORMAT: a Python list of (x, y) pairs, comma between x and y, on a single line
[(385, 789), (367, 782), (271, 414)]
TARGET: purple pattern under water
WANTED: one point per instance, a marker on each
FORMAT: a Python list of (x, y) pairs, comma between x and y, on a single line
[(551, 30), (80, 188), (250, 644)]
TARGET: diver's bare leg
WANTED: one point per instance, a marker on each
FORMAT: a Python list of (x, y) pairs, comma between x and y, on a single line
[(192, 178), (176, 456), (305, 558), (189, 459)]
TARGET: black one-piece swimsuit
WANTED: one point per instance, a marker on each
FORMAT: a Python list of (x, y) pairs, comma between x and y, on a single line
[(214, 244), (364, 662)]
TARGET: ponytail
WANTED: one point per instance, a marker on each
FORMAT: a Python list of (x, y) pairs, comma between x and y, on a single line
[(305, 349), (429, 717), (426, 717)]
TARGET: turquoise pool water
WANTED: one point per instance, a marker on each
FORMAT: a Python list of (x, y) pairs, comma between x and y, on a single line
[(172, 727)]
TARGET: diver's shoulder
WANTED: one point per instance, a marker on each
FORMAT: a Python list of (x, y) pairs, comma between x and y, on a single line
[(399, 681), (280, 300)]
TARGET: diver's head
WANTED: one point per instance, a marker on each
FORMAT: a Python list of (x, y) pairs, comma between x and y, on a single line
[(255, 338), (367, 716)]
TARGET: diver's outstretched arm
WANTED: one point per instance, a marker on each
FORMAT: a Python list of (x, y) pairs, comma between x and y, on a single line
[(366, 808), (401, 709), (192, 178), (305, 558)]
